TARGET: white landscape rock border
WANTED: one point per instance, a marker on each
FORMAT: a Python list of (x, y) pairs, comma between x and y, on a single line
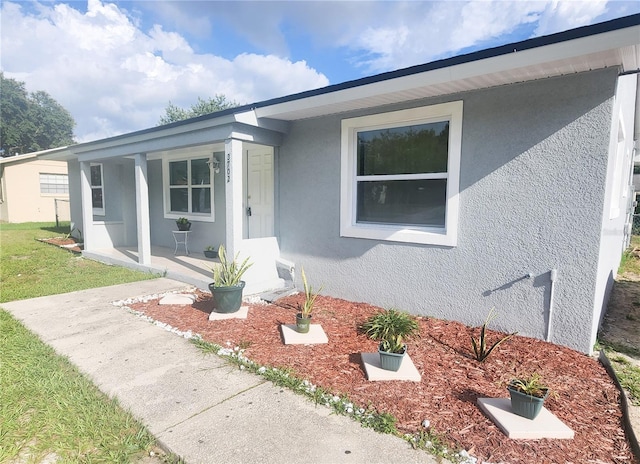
[(462, 457)]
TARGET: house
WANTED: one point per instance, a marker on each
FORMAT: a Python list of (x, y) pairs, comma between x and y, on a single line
[(499, 178), (33, 189)]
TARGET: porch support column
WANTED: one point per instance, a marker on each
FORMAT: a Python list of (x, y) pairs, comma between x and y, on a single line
[(87, 205), (233, 194), (142, 210)]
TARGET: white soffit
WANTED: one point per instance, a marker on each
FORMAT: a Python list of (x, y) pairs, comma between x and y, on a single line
[(610, 49)]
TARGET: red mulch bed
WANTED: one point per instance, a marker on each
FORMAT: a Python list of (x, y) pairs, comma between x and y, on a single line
[(67, 243), (586, 399)]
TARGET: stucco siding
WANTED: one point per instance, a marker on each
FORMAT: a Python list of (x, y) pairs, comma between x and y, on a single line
[(619, 194), (202, 233), (534, 160), (22, 199)]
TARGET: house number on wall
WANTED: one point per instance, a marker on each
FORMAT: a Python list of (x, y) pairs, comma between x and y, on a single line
[(228, 167)]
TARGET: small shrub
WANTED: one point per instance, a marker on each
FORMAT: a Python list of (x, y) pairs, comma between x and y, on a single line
[(306, 308), (390, 327), (481, 350), (530, 385)]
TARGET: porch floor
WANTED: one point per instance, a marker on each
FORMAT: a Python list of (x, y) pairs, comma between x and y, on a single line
[(193, 269)]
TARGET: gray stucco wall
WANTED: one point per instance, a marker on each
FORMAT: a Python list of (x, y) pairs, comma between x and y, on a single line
[(75, 201), (620, 165), (202, 233), (533, 166), (120, 203)]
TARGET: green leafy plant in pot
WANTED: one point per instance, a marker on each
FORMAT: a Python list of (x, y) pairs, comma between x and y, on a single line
[(527, 395), (183, 224), (210, 252), (303, 318), (391, 327), (227, 285)]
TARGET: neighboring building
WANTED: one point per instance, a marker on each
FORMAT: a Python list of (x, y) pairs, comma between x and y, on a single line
[(499, 178), (34, 189)]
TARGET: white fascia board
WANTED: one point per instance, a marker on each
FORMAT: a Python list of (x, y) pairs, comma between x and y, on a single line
[(147, 135), (613, 42), (53, 154), (251, 118), (17, 158)]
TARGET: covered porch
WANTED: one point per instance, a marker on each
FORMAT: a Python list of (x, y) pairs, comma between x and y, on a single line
[(193, 269), (268, 271)]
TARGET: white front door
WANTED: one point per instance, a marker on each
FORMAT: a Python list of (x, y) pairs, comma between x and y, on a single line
[(259, 193)]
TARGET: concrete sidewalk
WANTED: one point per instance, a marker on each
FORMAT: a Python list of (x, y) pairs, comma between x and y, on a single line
[(197, 406)]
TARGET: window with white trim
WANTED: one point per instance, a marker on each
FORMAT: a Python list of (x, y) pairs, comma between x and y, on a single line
[(54, 183), (97, 189), (400, 175), (188, 188)]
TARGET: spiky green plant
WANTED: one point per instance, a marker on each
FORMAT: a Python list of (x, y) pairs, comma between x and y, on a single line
[(306, 308), (480, 348), (391, 327), (229, 273), (530, 385)]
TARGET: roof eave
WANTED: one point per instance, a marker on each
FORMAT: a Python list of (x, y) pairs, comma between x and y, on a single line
[(620, 46)]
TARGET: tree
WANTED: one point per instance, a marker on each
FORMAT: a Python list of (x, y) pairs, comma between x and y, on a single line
[(31, 122), (174, 113)]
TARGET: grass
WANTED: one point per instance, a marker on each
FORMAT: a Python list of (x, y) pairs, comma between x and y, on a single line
[(629, 262), (629, 377), (47, 407), (29, 268), (627, 373)]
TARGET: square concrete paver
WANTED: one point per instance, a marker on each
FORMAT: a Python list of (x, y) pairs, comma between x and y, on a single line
[(545, 425), (239, 314), (315, 336), (407, 371)]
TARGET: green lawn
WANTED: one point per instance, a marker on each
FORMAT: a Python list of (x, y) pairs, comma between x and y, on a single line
[(29, 268), (630, 262), (48, 408)]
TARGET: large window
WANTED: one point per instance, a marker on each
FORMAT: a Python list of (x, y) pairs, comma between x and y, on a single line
[(188, 188), (400, 175), (97, 189), (54, 183)]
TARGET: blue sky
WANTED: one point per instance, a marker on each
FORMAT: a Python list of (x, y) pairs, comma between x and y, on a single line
[(115, 65)]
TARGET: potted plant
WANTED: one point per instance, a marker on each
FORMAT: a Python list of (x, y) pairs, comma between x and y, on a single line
[(227, 287), (391, 327), (527, 395), (183, 224), (303, 318), (210, 252)]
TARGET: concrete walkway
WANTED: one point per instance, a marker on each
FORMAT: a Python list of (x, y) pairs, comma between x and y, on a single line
[(197, 406)]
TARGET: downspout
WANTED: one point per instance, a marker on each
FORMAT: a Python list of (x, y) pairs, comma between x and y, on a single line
[(553, 277)]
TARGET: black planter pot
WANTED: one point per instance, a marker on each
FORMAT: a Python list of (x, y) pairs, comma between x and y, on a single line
[(227, 299), (210, 253), (184, 227), (302, 323)]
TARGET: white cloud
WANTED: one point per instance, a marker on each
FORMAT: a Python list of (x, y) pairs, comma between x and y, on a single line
[(114, 77), (424, 31), (559, 16)]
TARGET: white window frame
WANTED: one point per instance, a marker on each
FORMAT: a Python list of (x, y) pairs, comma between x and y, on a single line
[(168, 214), (98, 211), (55, 181), (446, 236)]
